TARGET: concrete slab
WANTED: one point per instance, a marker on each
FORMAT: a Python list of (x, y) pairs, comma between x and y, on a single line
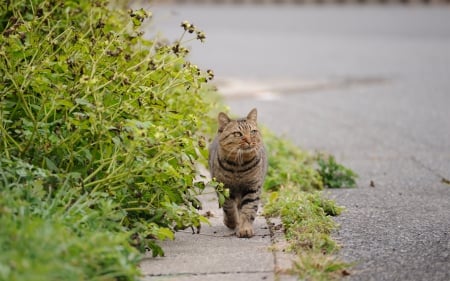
[(215, 252)]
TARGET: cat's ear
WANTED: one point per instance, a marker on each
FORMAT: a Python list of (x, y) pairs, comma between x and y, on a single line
[(252, 115), (223, 121)]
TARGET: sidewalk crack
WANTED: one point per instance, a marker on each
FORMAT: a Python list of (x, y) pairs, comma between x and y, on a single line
[(207, 273), (443, 179)]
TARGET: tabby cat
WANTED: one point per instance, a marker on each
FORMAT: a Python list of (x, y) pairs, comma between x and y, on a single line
[(237, 158)]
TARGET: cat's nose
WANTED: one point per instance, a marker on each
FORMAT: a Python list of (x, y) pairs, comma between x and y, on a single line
[(246, 139)]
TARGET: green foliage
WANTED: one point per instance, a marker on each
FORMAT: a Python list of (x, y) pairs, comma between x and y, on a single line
[(318, 266), (335, 175), (99, 133), (289, 164), (292, 193), (55, 234), (71, 257), (305, 216)]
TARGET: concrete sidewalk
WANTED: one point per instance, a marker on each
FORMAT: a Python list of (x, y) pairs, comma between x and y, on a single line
[(216, 253)]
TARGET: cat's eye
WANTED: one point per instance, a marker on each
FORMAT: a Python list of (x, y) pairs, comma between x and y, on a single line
[(237, 134), (253, 132)]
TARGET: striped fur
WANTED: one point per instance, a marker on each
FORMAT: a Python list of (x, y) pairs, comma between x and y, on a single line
[(237, 158)]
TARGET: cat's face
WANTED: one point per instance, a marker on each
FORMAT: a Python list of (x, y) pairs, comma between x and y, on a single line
[(239, 139)]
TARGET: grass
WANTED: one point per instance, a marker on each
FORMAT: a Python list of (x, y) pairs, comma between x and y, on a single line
[(292, 192), (335, 175)]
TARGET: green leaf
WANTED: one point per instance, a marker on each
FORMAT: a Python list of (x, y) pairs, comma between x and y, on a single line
[(65, 103), (165, 233), (84, 102), (50, 165)]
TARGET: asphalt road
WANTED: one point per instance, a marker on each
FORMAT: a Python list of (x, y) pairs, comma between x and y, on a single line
[(381, 105)]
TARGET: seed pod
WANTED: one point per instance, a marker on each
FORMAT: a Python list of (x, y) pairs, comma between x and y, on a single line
[(185, 24), (201, 36)]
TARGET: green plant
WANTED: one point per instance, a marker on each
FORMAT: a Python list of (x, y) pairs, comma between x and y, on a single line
[(318, 266), (289, 164), (83, 94), (292, 193), (335, 175), (305, 216), (56, 234), (99, 133)]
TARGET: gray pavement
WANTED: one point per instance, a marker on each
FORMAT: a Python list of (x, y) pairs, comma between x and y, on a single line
[(215, 253), (369, 84)]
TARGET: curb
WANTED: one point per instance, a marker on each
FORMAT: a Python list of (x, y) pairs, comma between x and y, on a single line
[(283, 259)]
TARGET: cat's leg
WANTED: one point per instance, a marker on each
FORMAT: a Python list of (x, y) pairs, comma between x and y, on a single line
[(230, 212), (248, 210)]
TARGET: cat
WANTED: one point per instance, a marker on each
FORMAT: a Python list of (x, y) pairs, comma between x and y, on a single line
[(237, 158)]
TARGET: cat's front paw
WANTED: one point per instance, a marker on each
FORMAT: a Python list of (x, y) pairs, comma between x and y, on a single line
[(229, 222), (245, 231)]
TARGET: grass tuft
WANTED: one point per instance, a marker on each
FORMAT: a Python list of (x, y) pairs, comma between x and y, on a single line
[(335, 175)]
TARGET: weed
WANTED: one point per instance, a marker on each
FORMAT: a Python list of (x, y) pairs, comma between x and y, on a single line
[(305, 216), (335, 175), (56, 234), (317, 266), (292, 193), (289, 164), (99, 133)]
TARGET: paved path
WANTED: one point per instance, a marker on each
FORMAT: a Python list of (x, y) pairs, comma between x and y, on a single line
[(214, 254), (369, 84)]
